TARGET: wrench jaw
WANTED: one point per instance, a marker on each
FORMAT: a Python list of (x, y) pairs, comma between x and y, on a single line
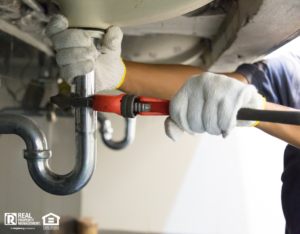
[(63, 100)]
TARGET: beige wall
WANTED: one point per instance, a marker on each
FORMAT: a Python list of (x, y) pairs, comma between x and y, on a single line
[(134, 189), (232, 186)]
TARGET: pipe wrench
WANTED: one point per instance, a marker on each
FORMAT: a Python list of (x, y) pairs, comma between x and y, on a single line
[(129, 106)]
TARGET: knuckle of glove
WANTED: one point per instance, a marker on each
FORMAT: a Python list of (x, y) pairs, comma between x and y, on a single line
[(193, 90), (195, 119), (253, 100), (238, 96), (250, 99), (57, 24), (176, 107), (172, 130), (178, 111), (210, 118), (113, 38), (71, 38), (227, 117)]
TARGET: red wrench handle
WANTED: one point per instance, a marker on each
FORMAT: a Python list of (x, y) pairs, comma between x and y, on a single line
[(158, 106), (112, 104), (108, 103)]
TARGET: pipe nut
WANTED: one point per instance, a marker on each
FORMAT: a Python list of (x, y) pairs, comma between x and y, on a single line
[(37, 154)]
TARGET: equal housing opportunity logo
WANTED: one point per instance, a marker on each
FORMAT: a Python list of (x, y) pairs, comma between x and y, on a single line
[(50, 221)]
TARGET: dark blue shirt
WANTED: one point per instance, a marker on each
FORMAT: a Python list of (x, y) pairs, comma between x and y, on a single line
[(277, 79)]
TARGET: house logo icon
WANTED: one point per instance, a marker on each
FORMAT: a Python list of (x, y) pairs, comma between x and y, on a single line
[(50, 219)]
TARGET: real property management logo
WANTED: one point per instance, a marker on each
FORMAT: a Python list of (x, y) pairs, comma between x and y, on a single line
[(50, 221), (19, 219)]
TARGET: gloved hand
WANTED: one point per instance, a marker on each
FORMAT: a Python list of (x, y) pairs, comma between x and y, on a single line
[(209, 103), (77, 55)]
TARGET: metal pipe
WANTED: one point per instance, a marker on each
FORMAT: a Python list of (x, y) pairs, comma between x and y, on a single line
[(28, 130), (106, 132), (37, 153), (85, 130)]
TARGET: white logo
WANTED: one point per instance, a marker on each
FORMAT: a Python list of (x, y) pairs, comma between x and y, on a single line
[(10, 218), (50, 219)]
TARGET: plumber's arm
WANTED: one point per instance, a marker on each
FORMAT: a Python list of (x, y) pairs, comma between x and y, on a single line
[(163, 81), (285, 132), (160, 81)]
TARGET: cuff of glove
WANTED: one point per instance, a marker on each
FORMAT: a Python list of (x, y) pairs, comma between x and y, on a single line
[(264, 107), (123, 78)]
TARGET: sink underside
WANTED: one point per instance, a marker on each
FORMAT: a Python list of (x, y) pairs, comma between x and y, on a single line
[(105, 13)]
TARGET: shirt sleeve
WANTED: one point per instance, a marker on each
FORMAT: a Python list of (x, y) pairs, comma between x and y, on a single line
[(277, 79)]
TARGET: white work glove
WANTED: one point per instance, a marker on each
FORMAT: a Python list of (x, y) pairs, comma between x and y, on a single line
[(77, 55), (210, 103)]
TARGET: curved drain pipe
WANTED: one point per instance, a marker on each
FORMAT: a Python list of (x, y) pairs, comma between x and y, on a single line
[(106, 132), (37, 153)]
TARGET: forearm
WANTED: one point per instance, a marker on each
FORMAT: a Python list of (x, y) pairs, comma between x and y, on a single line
[(156, 81), (285, 132), (159, 81)]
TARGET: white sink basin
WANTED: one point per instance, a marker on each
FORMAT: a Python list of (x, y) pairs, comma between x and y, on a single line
[(104, 13)]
